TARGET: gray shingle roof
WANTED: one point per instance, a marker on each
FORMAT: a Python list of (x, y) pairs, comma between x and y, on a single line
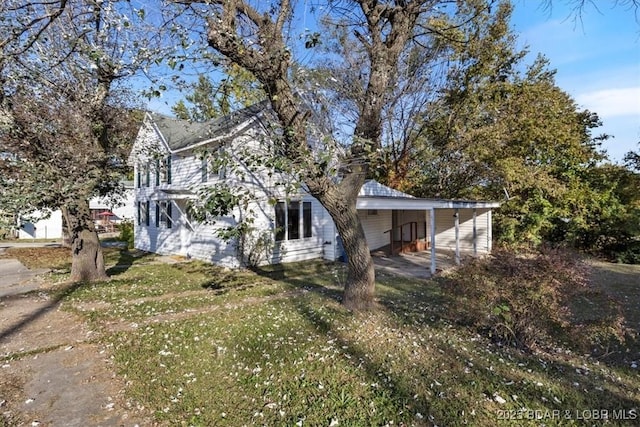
[(372, 188), (180, 134)]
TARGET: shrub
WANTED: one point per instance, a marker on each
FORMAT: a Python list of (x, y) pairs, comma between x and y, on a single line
[(525, 300), (628, 253), (126, 233)]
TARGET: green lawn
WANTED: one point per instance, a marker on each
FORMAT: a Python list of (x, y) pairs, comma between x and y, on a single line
[(214, 347)]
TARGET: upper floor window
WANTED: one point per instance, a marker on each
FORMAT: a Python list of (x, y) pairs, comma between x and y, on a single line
[(293, 220), (146, 175), (213, 164), (221, 161), (163, 170), (142, 175), (204, 168)]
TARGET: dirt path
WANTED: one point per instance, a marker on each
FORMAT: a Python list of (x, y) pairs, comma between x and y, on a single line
[(53, 371)]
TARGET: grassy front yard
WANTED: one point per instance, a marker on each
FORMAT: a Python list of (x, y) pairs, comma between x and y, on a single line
[(202, 346)]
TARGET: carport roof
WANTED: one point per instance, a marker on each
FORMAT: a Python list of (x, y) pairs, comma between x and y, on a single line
[(374, 195)]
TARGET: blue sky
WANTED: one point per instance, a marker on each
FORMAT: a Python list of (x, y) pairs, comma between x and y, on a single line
[(597, 60)]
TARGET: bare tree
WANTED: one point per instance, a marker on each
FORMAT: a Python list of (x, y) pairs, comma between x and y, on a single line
[(256, 38), (580, 7)]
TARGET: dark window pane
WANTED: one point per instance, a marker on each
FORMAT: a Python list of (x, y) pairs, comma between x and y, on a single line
[(306, 219), (204, 169), (168, 166), (280, 221), (294, 220)]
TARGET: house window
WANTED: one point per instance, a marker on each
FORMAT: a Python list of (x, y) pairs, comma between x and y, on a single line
[(220, 163), (209, 164), (143, 175), (143, 213), (163, 170), (146, 175), (281, 221), (306, 219), (164, 214), (293, 220), (204, 169)]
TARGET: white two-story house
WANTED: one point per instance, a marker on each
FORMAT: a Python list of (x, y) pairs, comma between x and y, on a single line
[(175, 159)]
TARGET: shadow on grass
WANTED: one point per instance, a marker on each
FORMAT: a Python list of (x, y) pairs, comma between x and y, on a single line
[(125, 260), (320, 277), (443, 387), (415, 301)]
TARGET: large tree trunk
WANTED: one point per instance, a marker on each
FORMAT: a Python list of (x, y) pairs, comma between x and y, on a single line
[(389, 25), (87, 259), (340, 202)]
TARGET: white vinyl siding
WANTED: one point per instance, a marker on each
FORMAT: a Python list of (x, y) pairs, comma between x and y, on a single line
[(375, 226), (446, 233)]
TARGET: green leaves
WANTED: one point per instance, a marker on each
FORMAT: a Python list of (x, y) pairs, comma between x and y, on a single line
[(210, 100), (214, 202), (502, 134)]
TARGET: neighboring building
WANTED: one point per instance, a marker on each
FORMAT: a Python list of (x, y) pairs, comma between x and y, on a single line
[(39, 225), (171, 162)]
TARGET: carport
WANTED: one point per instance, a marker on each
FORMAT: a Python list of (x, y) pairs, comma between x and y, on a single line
[(391, 218)]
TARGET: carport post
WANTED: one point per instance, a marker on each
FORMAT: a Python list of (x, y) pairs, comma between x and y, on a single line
[(432, 231), (456, 221)]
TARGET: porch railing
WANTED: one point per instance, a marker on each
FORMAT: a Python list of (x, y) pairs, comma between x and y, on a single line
[(413, 234)]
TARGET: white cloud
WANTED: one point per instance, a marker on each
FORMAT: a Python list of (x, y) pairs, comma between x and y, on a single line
[(612, 102)]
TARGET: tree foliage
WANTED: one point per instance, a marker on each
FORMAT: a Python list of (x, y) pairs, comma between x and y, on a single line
[(632, 160), (208, 101), (503, 131), (65, 119)]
